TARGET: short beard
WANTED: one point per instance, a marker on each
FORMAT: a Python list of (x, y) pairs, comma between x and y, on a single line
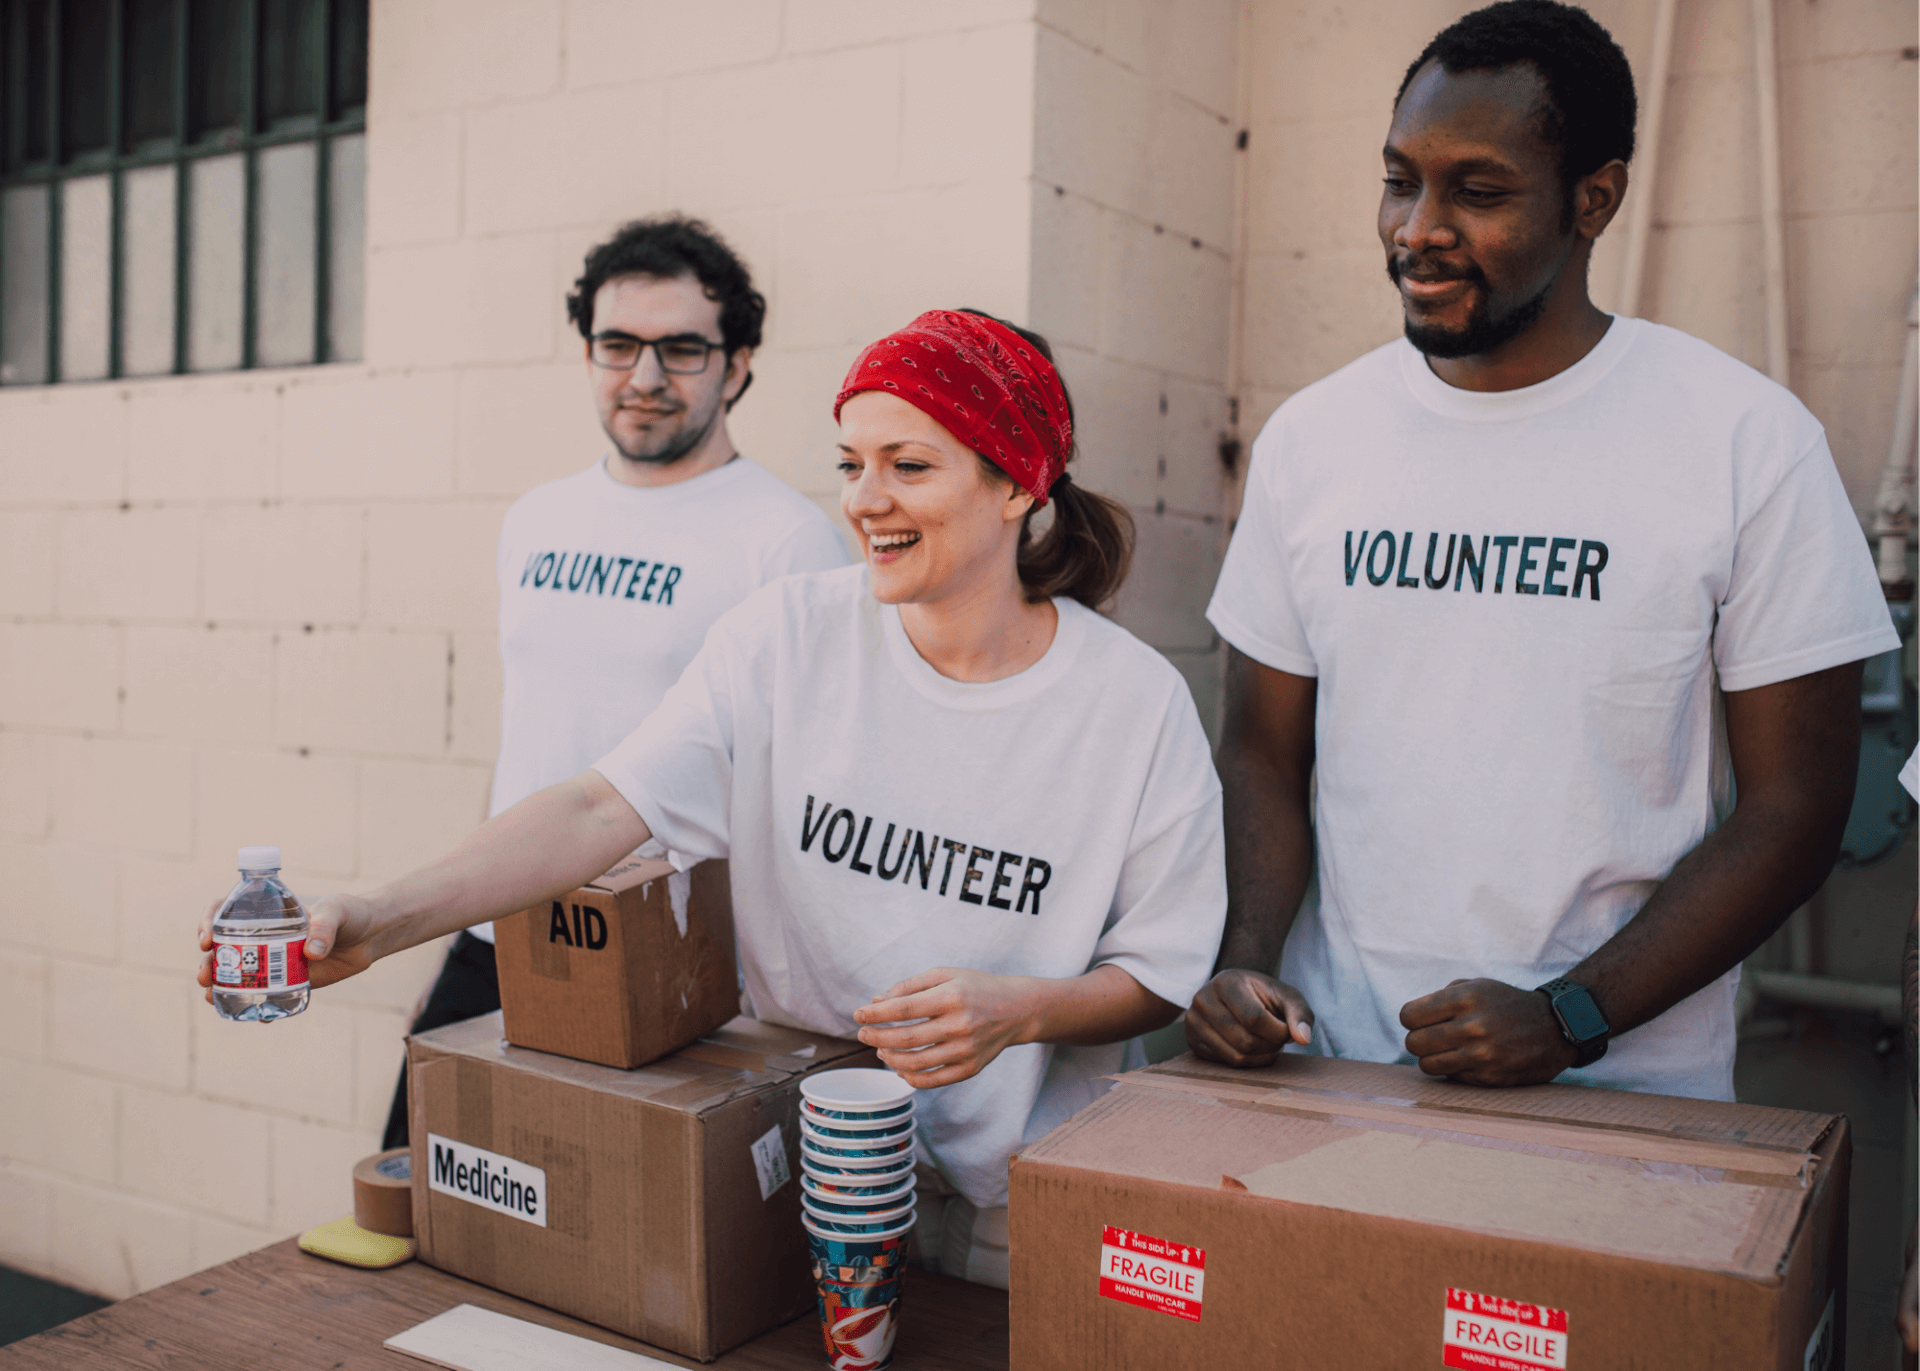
[(1483, 333), (679, 447)]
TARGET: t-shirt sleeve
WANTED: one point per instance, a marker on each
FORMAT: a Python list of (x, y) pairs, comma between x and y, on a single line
[(811, 545), (1253, 606), (676, 768), (1802, 595), (1170, 904), (1910, 774)]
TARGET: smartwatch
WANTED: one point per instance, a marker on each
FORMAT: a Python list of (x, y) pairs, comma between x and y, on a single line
[(1581, 1022)]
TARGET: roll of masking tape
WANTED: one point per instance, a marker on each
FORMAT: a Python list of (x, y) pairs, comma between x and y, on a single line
[(383, 1193)]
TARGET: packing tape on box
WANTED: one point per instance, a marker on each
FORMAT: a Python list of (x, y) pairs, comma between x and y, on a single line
[(383, 1193)]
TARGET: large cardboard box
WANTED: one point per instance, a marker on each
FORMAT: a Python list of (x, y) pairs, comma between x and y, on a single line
[(1322, 1213), (663, 1203), (627, 969)]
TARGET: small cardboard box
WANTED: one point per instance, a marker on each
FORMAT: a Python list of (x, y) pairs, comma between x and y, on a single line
[(624, 970), (663, 1203), (1323, 1213)]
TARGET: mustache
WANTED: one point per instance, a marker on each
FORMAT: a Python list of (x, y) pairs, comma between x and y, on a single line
[(1433, 270)]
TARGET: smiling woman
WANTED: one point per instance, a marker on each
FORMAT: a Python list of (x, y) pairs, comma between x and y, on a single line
[(948, 685)]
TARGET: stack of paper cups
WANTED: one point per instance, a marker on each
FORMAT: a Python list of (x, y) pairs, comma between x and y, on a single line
[(856, 1162)]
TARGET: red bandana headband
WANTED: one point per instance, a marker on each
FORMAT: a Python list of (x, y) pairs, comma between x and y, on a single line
[(984, 383)]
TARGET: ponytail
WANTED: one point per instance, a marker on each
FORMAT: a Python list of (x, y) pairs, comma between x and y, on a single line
[(1085, 550)]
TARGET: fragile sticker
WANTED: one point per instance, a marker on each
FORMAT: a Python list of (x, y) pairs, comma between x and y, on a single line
[(1495, 1334), (1152, 1272), (770, 1161)]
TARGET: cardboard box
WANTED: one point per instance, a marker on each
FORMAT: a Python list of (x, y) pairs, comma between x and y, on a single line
[(624, 970), (663, 1203), (1322, 1213)]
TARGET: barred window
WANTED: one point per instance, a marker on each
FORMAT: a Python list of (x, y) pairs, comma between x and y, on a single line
[(182, 185)]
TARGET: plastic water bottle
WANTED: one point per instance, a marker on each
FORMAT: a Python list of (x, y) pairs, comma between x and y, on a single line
[(260, 944)]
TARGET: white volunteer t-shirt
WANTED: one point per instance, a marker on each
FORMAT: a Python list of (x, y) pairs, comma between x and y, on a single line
[(1521, 608), (607, 591), (883, 820)]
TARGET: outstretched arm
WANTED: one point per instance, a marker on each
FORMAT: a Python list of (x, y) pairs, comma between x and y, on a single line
[(548, 844), (1795, 747)]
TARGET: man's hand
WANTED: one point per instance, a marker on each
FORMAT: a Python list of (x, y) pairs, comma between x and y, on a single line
[(1243, 1018), (1486, 1033), (970, 1017), (338, 938)]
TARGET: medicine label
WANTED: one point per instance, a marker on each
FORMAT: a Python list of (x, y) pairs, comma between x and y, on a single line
[(1152, 1272), (487, 1179), (1490, 1333)]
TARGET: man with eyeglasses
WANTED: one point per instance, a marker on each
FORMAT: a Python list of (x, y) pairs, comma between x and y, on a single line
[(610, 578)]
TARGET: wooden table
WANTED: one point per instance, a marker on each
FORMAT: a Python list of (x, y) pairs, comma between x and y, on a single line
[(280, 1309)]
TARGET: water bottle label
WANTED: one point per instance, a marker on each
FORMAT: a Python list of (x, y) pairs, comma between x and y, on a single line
[(260, 963)]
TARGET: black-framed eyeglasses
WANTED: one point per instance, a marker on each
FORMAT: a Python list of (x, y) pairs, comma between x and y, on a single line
[(681, 354)]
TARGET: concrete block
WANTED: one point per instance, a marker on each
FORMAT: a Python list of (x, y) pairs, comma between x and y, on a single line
[(202, 438), (412, 813), (604, 39), (848, 275), (568, 159), (23, 1012), (943, 139), (65, 445), (433, 565), (284, 564), (1203, 671), (196, 1153), (393, 984), (313, 1172), (786, 423), (1176, 560), (129, 563), (26, 785), (300, 1066), (1856, 406), (370, 435), (379, 1054), (1305, 318), (1195, 50), (1709, 151), (1843, 308), (521, 426), (161, 905), (216, 1241), (200, 682), (26, 1221), (1716, 36), (67, 1122), (444, 54), (817, 25), (466, 301), (413, 179), (23, 1124), (115, 1245), (124, 794), (1854, 140), (1193, 480), (27, 555), (755, 135), (474, 712), (1315, 186), (92, 1008), (378, 692), (1118, 425), (1320, 61), (1093, 123), (1191, 185), (1807, 33), (304, 804), (1702, 279), (1167, 302), (1083, 21), (1069, 234), (36, 899)]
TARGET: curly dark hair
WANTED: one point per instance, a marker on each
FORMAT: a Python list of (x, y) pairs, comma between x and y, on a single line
[(670, 246), (1590, 109)]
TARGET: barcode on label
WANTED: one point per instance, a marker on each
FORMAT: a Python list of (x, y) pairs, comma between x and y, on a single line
[(276, 966)]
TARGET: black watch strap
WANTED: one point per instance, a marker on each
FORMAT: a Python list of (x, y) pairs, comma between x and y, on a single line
[(1581, 1022)]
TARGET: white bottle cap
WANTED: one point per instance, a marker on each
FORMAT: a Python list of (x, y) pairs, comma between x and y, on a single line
[(259, 859)]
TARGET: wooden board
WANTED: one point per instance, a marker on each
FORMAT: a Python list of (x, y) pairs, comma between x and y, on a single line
[(467, 1338), (282, 1309)]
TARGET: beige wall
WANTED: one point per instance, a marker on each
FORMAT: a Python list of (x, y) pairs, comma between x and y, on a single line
[(260, 607)]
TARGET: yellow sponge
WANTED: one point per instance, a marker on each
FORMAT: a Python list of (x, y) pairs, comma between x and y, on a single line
[(343, 1240)]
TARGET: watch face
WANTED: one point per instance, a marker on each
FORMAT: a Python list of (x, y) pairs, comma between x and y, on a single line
[(1581, 1016)]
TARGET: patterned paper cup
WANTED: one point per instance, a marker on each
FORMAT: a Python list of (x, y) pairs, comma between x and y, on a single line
[(858, 1133), (839, 1163), (858, 1220), (833, 1175), (860, 1092), (880, 1151), (865, 1123), (857, 1282), (833, 1195)]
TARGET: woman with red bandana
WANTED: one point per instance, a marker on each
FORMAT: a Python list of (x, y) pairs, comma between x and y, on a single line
[(970, 820)]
